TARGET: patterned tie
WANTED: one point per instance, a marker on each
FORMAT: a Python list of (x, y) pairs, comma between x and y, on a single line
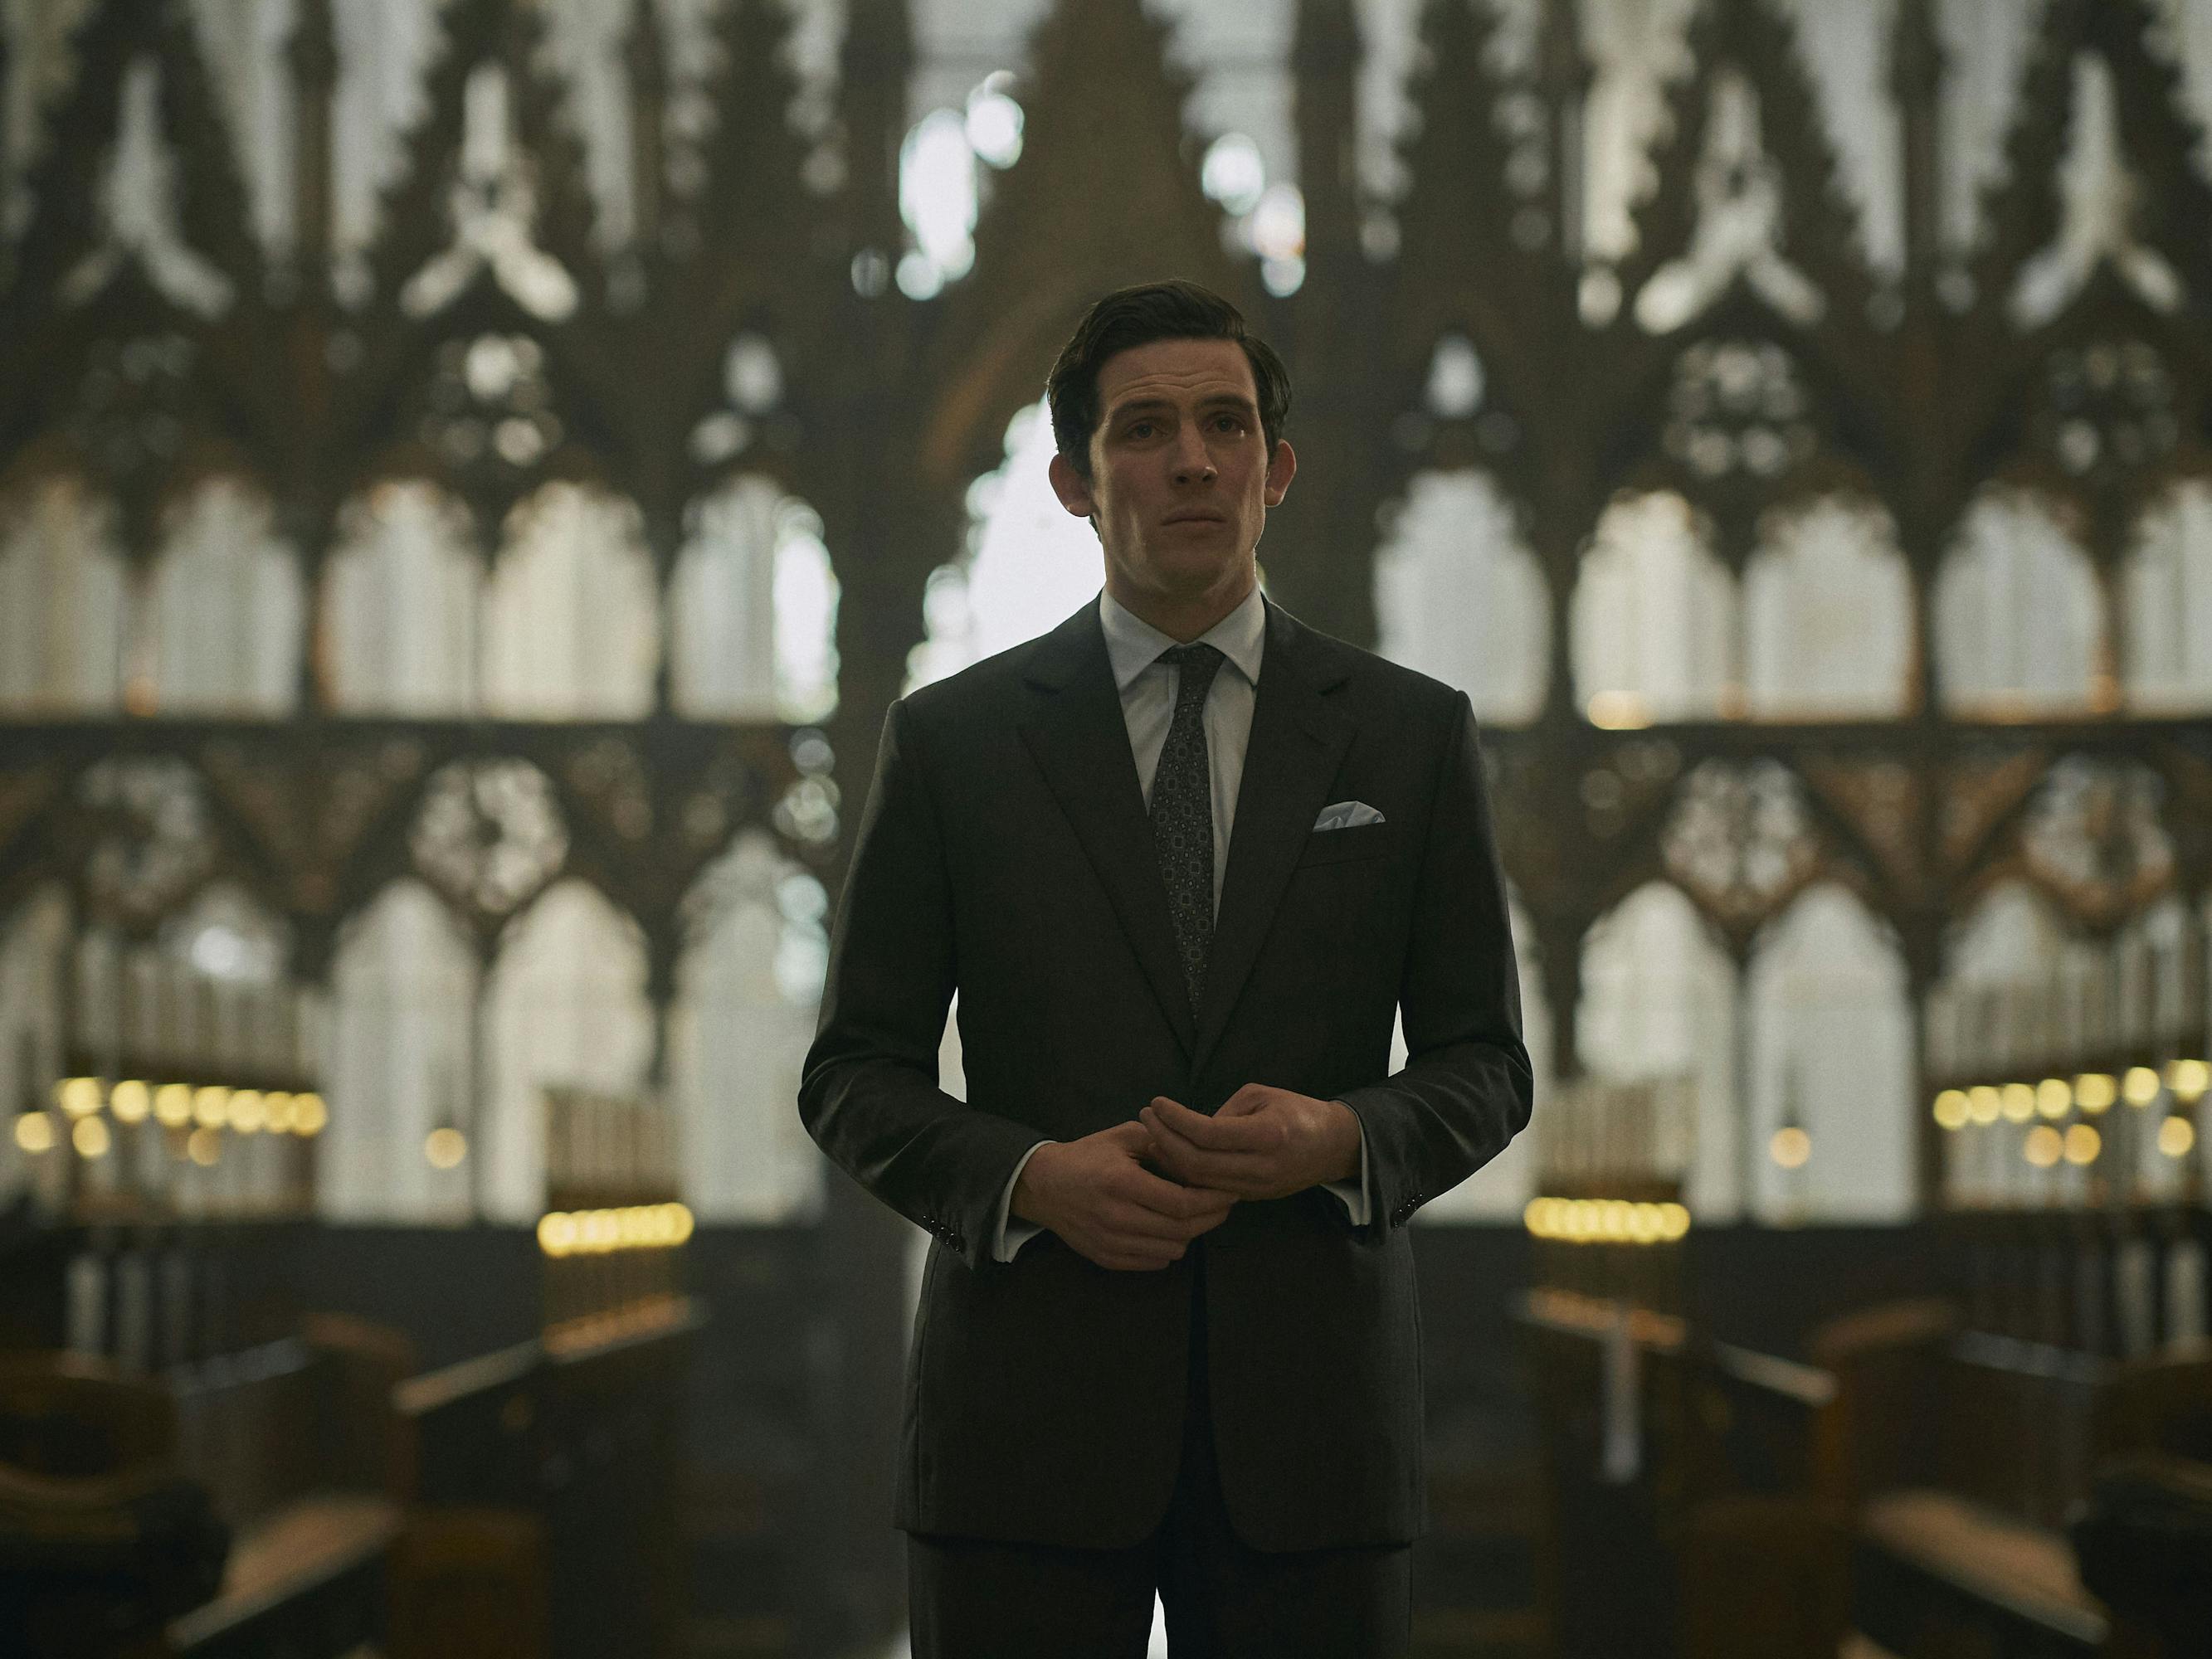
[(1183, 813)]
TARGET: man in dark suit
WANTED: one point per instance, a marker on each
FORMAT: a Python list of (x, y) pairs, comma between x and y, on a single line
[(1184, 858)]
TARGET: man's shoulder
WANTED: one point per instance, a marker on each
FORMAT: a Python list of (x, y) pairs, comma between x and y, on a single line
[(1372, 676), (982, 688)]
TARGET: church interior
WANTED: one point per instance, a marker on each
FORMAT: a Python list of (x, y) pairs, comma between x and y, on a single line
[(474, 474)]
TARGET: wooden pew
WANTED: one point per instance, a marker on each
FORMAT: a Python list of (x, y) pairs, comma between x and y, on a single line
[(300, 1447), (244, 1505), (1961, 1455), (1689, 1481)]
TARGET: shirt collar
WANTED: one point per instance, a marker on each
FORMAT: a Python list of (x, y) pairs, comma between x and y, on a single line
[(1132, 644)]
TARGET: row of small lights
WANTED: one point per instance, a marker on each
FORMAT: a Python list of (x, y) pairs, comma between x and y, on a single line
[(600, 1232), (1605, 1220), (2093, 1093), (207, 1109)]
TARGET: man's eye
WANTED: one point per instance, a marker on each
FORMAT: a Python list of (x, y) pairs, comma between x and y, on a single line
[(1138, 428), (1230, 423)]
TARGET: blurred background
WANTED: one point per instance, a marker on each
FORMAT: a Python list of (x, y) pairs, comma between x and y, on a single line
[(473, 474)]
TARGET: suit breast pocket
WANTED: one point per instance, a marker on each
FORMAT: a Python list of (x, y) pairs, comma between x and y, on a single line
[(1363, 840)]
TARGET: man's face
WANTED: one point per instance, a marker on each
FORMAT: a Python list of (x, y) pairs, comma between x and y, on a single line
[(1180, 479)]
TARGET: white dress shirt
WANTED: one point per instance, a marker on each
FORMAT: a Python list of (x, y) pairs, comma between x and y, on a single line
[(1148, 688)]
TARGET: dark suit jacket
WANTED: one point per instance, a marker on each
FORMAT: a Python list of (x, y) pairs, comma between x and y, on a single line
[(1005, 851)]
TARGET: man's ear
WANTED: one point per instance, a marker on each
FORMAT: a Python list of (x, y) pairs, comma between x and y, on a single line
[(1281, 471), (1073, 489)]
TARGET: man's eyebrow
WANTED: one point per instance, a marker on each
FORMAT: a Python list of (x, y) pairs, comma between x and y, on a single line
[(1236, 400)]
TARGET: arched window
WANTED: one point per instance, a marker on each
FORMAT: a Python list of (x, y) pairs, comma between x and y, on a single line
[(400, 606), (1030, 564), (565, 1006), (404, 992), (1655, 619), (1830, 1055), (63, 602), (2017, 614), (754, 603), (572, 613), (2169, 605), (1828, 617), (1659, 1001), (747, 992), (1459, 596), (227, 607)]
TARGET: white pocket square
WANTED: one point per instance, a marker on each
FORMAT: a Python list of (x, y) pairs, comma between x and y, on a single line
[(1346, 815)]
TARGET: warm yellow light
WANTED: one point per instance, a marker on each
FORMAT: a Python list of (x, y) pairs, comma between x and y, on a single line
[(1790, 1147), (282, 1113), (1643, 1223), (557, 1233), (173, 1105), (211, 1106), (2018, 1101), (2176, 1136), (1951, 1111), (2044, 1146), (248, 1111), (445, 1148), (1674, 1221), (34, 1132), (2083, 1144), (204, 1145), (309, 1115), (90, 1137), (1984, 1105), (1619, 711), (2142, 1086), (2054, 1096), (2189, 1080), (130, 1101), (79, 1097), (2094, 1091), (684, 1223)]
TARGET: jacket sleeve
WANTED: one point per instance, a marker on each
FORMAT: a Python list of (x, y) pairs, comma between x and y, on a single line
[(868, 1092), (1465, 1089)]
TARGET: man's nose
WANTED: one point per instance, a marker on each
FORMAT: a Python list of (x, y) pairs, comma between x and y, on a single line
[(1192, 462)]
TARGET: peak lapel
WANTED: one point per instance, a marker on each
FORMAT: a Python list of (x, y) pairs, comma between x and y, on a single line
[(1299, 734), (1074, 731)]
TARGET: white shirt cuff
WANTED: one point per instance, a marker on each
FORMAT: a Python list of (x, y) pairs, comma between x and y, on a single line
[(1353, 1193), (1013, 1232)]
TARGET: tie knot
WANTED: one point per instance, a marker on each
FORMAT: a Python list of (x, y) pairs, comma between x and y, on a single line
[(1198, 664)]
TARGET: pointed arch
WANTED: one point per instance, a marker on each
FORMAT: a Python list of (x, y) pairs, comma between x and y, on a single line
[(747, 989), (226, 601), (2168, 592), (1831, 1048), (2018, 616), (1828, 606), (1030, 564), (1458, 595), (1659, 1001), (572, 610), (753, 605), (401, 603), (65, 600), (403, 988), (1654, 618), (565, 1004)]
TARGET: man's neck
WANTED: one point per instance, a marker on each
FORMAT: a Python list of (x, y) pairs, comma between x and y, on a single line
[(1181, 620)]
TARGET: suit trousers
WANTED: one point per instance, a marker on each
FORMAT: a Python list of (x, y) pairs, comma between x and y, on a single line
[(977, 1599)]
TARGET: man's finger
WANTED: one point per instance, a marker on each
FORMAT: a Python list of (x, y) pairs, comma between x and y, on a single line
[(1214, 1133), (1166, 1197)]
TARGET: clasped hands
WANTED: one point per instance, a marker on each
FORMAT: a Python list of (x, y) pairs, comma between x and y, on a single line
[(1100, 1196)]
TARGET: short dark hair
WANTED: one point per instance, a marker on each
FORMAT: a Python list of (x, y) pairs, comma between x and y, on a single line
[(1175, 310)]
